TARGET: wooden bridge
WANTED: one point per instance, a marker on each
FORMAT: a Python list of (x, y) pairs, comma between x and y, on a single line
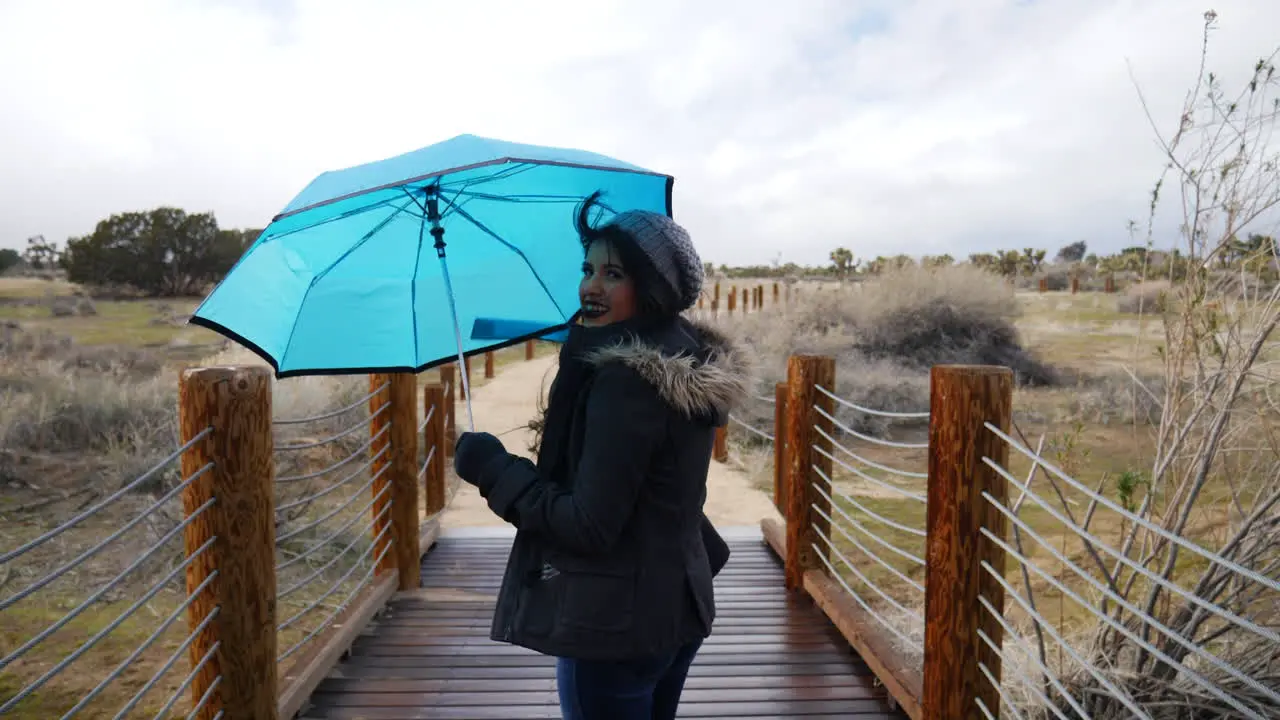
[(428, 654)]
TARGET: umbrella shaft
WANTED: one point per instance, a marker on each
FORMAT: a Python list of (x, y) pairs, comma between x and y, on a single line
[(457, 332)]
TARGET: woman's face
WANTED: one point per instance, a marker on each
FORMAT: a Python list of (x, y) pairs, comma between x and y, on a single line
[(607, 293)]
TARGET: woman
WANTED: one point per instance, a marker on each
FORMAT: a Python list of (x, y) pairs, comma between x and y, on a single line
[(612, 565)]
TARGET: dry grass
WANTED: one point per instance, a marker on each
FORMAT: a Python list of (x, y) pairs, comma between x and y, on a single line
[(81, 421)]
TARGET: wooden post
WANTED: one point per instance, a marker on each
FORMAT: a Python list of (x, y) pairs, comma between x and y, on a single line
[(462, 389), (717, 295), (805, 374), (733, 299), (780, 447), (775, 293), (1075, 284), (449, 381), (715, 308), (488, 365), (1111, 283), (962, 399), (404, 479), (1044, 285), (720, 450), (433, 403), (746, 301), (528, 350), (236, 403), (380, 453)]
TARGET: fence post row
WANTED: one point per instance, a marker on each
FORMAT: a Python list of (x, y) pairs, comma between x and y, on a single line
[(403, 396), (962, 400), (238, 647)]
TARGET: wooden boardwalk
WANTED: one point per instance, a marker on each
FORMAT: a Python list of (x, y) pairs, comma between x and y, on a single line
[(429, 654)]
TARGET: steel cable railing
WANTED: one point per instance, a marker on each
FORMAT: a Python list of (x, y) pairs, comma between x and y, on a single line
[(1213, 648), (874, 518), (325, 533), (109, 614)]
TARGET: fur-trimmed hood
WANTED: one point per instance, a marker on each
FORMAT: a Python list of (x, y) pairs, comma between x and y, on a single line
[(695, 367)]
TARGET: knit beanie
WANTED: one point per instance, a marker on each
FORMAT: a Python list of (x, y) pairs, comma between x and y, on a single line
[(669, 248)]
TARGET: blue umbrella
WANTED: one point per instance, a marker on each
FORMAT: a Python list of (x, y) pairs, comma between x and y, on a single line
[(378, 267)]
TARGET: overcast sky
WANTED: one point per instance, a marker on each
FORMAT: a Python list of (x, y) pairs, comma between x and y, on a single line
[(917, 126)]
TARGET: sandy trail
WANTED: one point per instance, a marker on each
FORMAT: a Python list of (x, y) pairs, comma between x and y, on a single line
[(506, 403)]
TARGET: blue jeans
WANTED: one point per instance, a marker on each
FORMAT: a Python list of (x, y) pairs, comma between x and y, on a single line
[(646, 689)]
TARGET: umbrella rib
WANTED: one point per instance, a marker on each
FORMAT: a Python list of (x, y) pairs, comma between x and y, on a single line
[(316, 278), (483, 228)]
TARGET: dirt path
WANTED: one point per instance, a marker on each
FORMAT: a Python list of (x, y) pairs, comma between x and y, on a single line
[(506, 403)]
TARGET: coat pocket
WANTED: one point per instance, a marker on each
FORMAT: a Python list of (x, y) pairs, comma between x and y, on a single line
[(595, 597)]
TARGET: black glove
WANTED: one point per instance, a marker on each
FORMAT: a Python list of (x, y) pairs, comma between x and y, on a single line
[(472, 452)]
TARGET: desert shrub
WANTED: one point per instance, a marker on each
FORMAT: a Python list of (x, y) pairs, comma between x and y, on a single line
[(1058, 279), (885, 335), (75, 412), (1145, 297)]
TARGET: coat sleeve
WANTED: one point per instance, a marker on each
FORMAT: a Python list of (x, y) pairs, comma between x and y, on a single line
[(625, 423)]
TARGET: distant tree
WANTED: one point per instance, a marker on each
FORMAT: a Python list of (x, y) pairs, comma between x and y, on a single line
[(1008, 262), (1072, 253), (842, 261), (986, 261), (163, 252), (1032, 259), (9, 258), (937, 261), (41, 254), (902, 262)]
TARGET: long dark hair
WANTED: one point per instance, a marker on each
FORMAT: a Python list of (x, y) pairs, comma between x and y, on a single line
[(655, 298)]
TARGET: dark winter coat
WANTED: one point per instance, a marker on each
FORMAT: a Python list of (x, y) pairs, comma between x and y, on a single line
[(613, 556)]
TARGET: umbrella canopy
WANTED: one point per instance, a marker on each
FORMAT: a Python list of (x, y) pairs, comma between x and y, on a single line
[(352, 275)]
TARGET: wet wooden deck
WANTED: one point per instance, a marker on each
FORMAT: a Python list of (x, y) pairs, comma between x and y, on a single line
[(429, 656)]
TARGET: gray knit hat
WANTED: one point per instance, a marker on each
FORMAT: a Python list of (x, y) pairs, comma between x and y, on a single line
[(669, 249)]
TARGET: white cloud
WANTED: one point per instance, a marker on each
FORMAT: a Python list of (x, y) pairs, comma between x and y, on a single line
[(915, 125)]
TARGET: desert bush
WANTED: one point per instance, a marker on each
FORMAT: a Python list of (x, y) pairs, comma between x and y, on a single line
[(1145, 297), (885, 335), (76, 412)]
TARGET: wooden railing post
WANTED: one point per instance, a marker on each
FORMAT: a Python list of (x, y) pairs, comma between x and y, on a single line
[(733, 299), (448, 378), (466, 365), (746, 301), (434, 405), (488, 365), (528, 349), (716, 298), (235, 499), (805, 465), (1075, 284), (962, 399), (404, 478), (780, 446), (720, 450), (775, 293), (1111, 283), (380, 470)]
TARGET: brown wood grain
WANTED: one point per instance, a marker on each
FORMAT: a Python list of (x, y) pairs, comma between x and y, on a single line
[(733, 298), (962, 399), (805, 373), (488, 365), (780, 446), (720, 450), (236, 403), (528, 349), (434, 437), (380, 469), (448, 378), (404, 477)]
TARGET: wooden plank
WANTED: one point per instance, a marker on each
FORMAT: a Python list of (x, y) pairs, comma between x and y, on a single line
[(700, 682), (309, 669), (547, 670)]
